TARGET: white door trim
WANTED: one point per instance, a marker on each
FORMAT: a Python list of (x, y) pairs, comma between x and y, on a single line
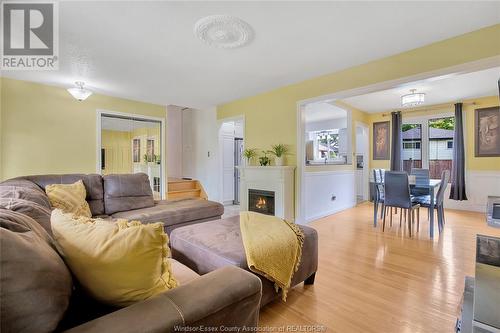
[(240, 118), (101, 112), (366, 158)]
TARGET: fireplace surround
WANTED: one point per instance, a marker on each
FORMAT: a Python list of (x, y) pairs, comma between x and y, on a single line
[(278, 180)]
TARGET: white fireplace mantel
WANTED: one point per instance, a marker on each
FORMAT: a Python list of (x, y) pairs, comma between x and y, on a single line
[(279, 179)]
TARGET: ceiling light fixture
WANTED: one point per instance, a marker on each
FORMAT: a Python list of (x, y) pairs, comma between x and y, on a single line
[(79, 92), (412, 99), (223, 31)]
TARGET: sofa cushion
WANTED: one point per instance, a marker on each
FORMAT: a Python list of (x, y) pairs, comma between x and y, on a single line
[(172, 212), (36, 284), (127, 192), (182, 273), (32, 209), (117, 263), (30, 193), (93, 186), (70, 198)]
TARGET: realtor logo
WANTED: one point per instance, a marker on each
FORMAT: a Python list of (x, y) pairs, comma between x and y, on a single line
[(30, 36)]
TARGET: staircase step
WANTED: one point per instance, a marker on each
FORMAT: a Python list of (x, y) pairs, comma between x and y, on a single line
[(182, 185), (187, 193)]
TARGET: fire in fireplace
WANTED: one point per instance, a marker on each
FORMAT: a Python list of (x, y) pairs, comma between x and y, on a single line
[(261, 201)]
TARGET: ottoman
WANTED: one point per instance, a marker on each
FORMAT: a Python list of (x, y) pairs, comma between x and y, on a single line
[(208, 246)]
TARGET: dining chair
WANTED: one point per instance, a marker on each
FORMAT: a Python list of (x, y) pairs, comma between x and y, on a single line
[(379, 189), (397, 195), (422, 176), (425, 200)]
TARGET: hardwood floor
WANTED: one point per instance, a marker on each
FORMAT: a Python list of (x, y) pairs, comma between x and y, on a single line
[(374, 281)]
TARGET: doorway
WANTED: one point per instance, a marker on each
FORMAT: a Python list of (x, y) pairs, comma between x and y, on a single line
[(131, 144), (231, 146)]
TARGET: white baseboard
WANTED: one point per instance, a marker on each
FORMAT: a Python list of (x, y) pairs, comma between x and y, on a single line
[(328, 213)]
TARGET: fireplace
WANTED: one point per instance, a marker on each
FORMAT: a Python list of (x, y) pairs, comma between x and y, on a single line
[(261, 201)]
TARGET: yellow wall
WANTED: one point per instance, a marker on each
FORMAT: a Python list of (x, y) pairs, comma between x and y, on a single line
[(472, 162), (45, 130), (271, 117), (118, 147)]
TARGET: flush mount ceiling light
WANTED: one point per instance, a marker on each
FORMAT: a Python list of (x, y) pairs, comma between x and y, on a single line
[(79, 92), (223, 31), (412, 99)]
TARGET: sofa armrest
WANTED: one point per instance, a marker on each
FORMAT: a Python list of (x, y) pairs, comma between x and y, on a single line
[(229, 297)]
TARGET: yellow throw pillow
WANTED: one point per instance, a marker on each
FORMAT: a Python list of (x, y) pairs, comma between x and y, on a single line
[(70, 198), (117, 263)]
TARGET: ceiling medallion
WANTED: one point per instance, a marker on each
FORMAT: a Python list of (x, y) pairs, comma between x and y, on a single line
[(223, 31)]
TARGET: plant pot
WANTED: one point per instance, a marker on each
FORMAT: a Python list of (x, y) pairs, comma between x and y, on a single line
[(279, 161)]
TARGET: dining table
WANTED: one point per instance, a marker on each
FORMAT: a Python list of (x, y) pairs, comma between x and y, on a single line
[(415, 184)]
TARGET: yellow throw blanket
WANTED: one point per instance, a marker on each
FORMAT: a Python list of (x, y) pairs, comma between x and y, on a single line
[(273, 247)]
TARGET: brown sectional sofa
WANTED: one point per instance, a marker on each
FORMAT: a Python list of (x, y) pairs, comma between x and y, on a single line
[(129, 196), (39, 294)]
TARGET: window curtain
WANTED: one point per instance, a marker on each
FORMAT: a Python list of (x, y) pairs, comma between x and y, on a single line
[(458, 165), (396, 141)]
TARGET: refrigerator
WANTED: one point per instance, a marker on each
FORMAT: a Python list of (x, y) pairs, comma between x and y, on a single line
[(238, 161)]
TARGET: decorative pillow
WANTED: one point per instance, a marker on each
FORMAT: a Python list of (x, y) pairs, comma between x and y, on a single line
[(70, 198), (36, 284), (37, 212), (117, 263)]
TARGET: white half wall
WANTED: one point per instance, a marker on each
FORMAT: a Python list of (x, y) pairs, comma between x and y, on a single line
[(200, 149), (321, 187), (174, 141), (478, 186)]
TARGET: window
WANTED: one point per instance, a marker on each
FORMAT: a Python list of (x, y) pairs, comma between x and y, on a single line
[(327, 144), (327, 134), (440, 144), (412, 144)]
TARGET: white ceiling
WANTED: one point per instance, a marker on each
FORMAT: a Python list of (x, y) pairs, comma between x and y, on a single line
[(438, 90), (147, 50), (321, 111), (125, 125)]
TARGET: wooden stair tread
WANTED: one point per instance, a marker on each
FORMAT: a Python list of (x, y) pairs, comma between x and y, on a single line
[(185, 191)]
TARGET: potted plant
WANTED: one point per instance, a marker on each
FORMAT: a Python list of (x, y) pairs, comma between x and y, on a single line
[(279, 151), (249, 153), (264, 160)]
